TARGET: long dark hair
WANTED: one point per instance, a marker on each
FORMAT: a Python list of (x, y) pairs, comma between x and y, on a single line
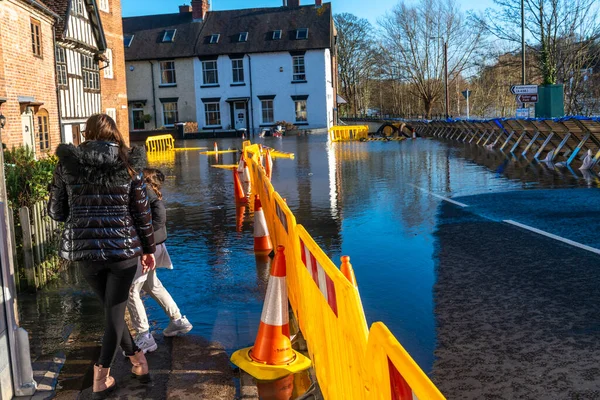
[(155, 179), (103, 127)]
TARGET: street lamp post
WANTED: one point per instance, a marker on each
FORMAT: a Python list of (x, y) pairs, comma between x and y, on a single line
[(522, 42), (446, 78)]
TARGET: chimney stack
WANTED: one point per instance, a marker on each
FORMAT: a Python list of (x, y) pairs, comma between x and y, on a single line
[(185, 9), (293, 3), (318, 3), (199, 9)]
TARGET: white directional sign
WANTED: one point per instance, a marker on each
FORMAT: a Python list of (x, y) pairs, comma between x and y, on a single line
[(524, 89)]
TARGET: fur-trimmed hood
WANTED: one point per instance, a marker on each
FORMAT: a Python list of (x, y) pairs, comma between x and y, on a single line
[(98, 162)]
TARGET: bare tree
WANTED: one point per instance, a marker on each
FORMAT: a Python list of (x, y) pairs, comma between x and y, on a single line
[(414, 36), (355, 59), (559, 31)]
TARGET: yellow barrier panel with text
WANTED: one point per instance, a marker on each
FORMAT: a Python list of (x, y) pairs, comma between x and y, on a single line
[(348, 132), (160, 143)]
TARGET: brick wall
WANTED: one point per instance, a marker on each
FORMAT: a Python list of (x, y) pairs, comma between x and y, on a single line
[(22, 73), (114, 90)]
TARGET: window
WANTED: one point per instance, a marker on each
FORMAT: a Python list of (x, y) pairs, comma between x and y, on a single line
[(169, 35), (127, 39), (238, 70), (267, 111), (91, 76), (61, 67), (36, 37), (170, 114), (243, 37), (103, 6), (302, 33), (167, 73), (108, 70), (214, 38), (112, 112), (210, 74), (77, 7), (277, 35), (213, 114), (299, 70), (43, 135), (300, 106)]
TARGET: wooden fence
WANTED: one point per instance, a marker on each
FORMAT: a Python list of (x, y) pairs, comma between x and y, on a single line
[(35, 243)]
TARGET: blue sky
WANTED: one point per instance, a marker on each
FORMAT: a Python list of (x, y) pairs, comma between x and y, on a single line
[(370, 9)]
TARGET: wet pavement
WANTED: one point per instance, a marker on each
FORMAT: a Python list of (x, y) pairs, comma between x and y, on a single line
[(489, 310)]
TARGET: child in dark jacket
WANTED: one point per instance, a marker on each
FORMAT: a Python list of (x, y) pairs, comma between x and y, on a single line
[(149, 282)]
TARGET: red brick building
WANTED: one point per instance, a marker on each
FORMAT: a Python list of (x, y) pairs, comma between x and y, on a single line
[(113, 86), (27, 75)]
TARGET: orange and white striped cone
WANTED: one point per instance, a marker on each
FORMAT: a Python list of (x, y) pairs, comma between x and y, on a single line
[(272, 356), (216, 148), (262, 240), (246, 173), (238, 190), (268, 164), (240, 211), (240, 167)]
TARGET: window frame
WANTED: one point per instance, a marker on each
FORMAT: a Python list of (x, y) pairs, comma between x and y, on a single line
[(305, 120), (243, 37), (303, 30), (90, 72), (207, 112), (77, 7), (163, 70), (130, 40), (36, 38), (133, 111), (165, 112), (267, 109), (238, 70), (61, 67), (172, 39), (104, 6), (276, 34), (43, 135), (300, 74), (214, 38), (108, 70), (205, 72)]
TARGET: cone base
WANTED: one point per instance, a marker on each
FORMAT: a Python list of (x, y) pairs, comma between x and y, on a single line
[(265, 372)]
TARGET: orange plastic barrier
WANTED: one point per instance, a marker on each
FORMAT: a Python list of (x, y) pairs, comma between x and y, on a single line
[(351, 361)]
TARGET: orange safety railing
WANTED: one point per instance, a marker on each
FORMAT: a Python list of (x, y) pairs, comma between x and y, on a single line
[(351, 361)]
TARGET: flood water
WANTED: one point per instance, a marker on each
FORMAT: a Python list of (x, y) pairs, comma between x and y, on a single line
[(377, 202)]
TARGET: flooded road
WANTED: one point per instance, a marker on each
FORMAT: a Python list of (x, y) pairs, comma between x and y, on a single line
[(446, 277)]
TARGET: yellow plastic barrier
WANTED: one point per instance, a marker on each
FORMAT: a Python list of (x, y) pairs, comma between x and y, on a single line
[(350, 361), (160, 143), (349, 132)]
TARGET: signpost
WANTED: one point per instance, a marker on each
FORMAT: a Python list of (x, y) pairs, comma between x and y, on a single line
[(467, 93), (527, 98), (524, 89)]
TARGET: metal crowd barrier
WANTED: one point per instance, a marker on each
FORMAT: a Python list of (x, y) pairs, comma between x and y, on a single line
[(351, 361), (348, 132), (550, 140)]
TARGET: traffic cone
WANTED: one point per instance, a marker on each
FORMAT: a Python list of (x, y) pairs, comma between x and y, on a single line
[(216, 147), (268, 164), (347, 270), (281, 389), (246, 173), (241, 163), (272, 356), (240, 197), (262, 241)]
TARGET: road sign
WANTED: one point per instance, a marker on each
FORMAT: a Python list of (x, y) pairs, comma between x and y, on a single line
[(522, 112), (527, 98), (524, 89), (466, 93)]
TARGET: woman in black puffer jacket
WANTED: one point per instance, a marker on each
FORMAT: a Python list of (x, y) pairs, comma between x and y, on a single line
[(99, 193)]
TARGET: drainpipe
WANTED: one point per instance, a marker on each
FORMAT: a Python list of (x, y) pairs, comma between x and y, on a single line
[(60, 130), (251, 97), (153, 94)]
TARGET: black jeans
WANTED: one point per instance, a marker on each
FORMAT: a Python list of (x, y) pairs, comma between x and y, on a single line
[(111, 282)]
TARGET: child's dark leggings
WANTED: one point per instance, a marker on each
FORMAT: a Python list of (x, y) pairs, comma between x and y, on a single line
[(111, 282)]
